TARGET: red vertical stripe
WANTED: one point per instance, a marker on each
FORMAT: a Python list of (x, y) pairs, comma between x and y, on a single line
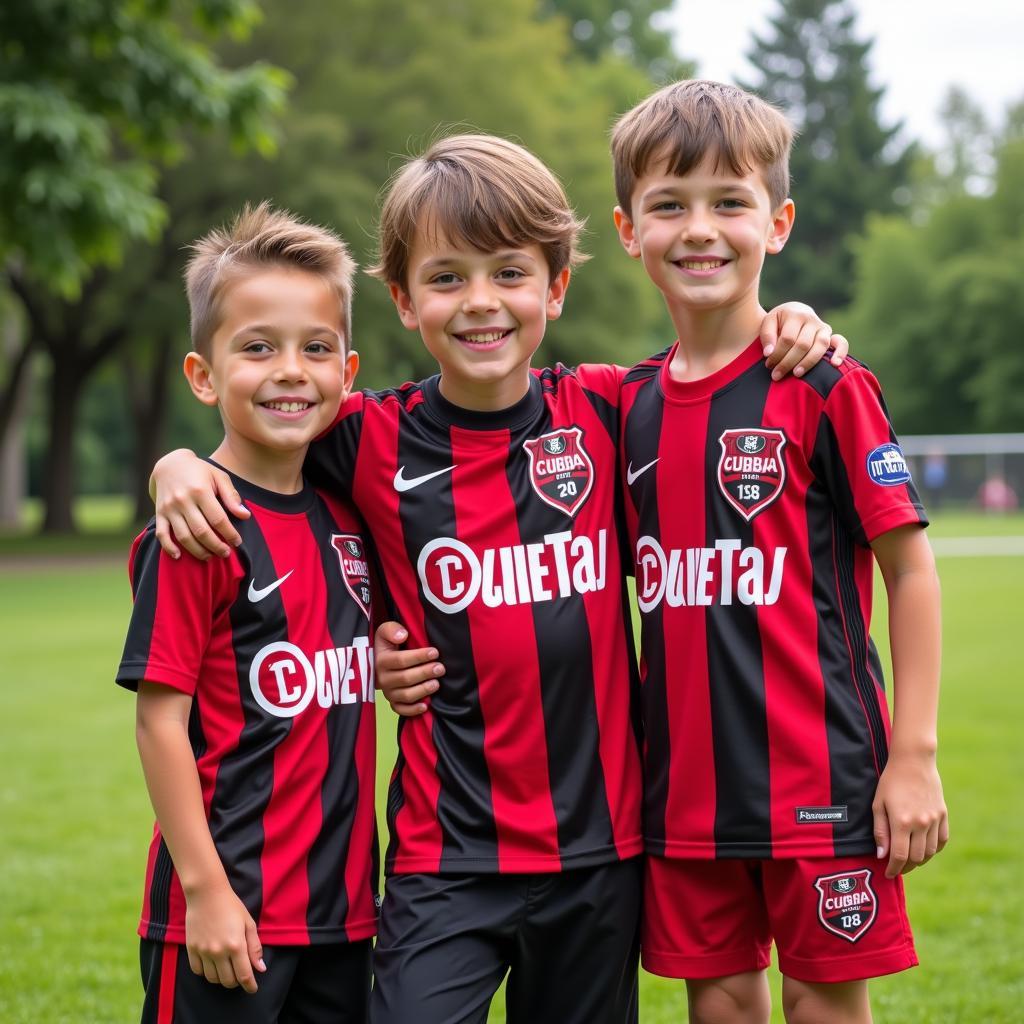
[(515, 742), (692, 794), (418, 831), (168, 983), (294, 813)]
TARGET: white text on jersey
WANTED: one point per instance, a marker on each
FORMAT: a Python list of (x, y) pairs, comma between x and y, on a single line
[(453, 575), (705, 576)]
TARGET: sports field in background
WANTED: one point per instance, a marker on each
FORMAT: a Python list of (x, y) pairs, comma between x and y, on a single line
[(74, 818)]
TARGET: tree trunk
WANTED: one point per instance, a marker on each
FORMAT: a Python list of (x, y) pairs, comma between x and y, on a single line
[(150, 395), (58, 468), (13, 468)]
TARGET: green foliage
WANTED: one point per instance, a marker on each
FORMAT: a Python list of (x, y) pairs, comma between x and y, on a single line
[(93, 93), (845, 164), (939, 311)]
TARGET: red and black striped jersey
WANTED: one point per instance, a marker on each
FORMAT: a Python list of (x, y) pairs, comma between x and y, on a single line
[(275, 647), (498, 536), (751, 505)]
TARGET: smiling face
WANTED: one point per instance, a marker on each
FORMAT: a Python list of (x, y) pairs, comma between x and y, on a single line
[(481, 315), (278, 370), (702, 236)]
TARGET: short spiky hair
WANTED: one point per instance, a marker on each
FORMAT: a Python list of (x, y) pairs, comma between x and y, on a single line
[(687, 121), (480, 190), (258, 238)]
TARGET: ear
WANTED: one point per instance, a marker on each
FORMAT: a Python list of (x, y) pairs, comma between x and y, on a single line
[(627, 236), (782, 225), (349, 371), (556, 293), (199, 374), (403, 303)]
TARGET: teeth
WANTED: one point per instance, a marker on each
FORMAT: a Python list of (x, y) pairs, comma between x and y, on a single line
[(288, 406), (482, 337), (701, 264)]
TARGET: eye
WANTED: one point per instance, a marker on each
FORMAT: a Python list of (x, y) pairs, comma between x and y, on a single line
[(257, 348), (446, 278), (667, 206), (732, 204), (319, 348), (510, 274)]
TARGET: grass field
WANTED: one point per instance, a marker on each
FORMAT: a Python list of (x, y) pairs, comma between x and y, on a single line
[(74, 820)]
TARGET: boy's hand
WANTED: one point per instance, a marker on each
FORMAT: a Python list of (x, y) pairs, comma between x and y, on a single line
[(221, 939), (911, 822), (795, 339), (190, 497), (406, 678)]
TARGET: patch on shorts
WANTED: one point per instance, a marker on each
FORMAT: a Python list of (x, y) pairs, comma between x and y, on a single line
[(847, 905)]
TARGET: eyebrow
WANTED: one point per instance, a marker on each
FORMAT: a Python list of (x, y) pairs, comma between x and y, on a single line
[(271, 329), (503, 256)]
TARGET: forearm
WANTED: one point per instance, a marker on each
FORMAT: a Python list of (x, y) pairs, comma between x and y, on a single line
[(174, 789)]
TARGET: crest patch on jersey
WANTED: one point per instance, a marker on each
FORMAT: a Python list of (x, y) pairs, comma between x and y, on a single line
[(751, 470), (560, 468), (847, 905), (887, 465), (355, 569)]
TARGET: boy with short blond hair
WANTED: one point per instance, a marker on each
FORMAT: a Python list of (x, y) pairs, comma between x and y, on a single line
[(492, 493), (779, 802), (254, 674)]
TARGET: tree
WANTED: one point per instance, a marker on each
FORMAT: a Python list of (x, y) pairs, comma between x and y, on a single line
[(939, 309), (845, 164), (94, 96)]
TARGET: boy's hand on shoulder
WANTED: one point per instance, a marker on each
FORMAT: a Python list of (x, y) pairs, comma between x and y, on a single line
[(911, 821), (221, 939), (190, 497), (795, 339), (406, 678)]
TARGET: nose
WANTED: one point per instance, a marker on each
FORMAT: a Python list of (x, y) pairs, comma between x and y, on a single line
[(699, 227), (290, 364), (480, 295)]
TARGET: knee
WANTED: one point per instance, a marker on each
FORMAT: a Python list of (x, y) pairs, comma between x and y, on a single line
[(844, 1003), (735, 1000)]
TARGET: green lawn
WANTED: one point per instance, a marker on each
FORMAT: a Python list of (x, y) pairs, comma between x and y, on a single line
[(74, 820)]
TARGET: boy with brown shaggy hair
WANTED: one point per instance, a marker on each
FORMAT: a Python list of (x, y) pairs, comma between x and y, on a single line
[(255, 720), (780, 804), (491, 490)]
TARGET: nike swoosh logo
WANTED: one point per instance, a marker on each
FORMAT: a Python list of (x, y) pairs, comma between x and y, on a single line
[(631, 476), (404, 484), (258, 595)]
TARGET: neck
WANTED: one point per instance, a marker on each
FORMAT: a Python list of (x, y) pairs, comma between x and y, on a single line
[(486, 396), (279, 471), (711, 339)]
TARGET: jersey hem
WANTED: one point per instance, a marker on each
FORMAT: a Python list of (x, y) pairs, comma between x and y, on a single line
[(756, 851), (515, 865), (135, 672), (888, 519), (356, 932)]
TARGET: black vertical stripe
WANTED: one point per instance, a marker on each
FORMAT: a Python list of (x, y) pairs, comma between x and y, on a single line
[(328, 854), (160, 893), (568, 701), (642, 440), (145, 590), (465, 809), (245, 777), (735, 663), (853, 722)]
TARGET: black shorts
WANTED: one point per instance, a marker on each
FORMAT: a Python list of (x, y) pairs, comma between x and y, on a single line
[(322, 984), (568, 943)]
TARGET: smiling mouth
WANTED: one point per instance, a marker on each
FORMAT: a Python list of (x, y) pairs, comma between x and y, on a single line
[(482, 337), (701, 264), (287, 406)]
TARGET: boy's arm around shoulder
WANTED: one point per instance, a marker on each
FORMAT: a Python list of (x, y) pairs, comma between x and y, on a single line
[(220, 934), (911, 822)]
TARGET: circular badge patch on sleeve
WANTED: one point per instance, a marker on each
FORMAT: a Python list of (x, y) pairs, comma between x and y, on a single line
[(887, 465)]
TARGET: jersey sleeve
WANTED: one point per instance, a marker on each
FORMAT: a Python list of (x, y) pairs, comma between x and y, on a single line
[(859, 458), (331, 459), (175, 602)]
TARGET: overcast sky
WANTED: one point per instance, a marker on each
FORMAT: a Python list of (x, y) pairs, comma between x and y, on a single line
[(921, 48)]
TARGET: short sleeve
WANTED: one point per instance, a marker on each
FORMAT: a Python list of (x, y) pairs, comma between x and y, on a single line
[(859, 459), (331, 459), (175, 602)]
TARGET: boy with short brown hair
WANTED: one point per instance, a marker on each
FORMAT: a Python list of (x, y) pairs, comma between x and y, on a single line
[(779, 802), (254, 674)]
